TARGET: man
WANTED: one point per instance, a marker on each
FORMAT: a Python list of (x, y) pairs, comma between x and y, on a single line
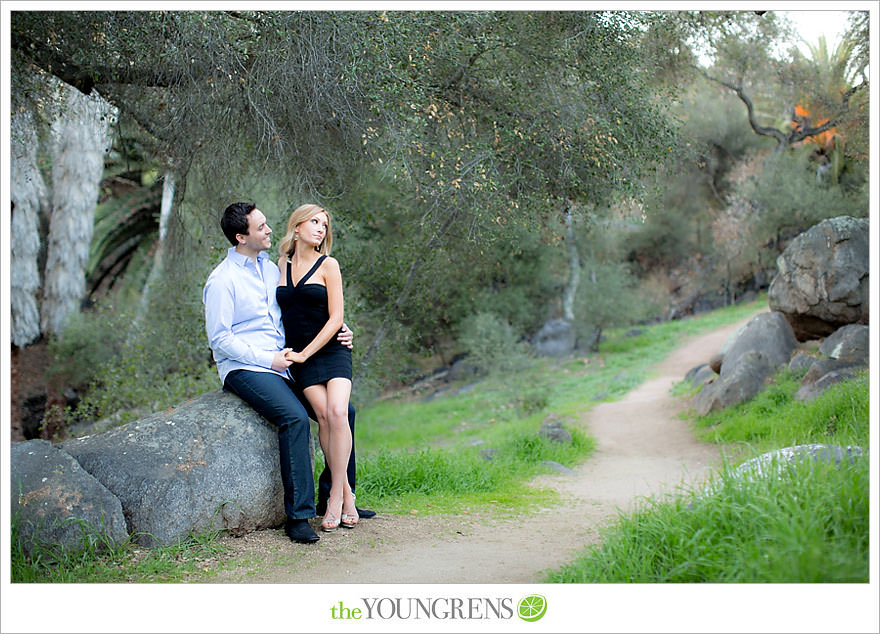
[(243, 323)]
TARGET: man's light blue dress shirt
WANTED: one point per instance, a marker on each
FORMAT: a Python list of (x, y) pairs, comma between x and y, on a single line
[(242, 316)]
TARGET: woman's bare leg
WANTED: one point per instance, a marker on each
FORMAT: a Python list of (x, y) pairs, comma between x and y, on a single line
[(317, 397), (338, 395)]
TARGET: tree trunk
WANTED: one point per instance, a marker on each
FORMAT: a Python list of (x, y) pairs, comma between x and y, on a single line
[(168, 203), (79, 140), (574, 266), (29, 198)]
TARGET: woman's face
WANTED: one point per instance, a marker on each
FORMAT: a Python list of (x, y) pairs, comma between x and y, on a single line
[(313, 230)]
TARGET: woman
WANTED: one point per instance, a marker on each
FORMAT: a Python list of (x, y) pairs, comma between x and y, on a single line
[(310, 296)]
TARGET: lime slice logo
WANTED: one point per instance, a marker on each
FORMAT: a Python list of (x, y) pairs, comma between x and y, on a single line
[(532, 607)]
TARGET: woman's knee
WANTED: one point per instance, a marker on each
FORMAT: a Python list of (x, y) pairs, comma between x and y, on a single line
[(320, 411), (339, 425), (321, 418), (337, 412)]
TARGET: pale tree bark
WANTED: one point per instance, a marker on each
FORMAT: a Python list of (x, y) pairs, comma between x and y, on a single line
[(169, 188), (29, 198), (79, 140), (574, 265)]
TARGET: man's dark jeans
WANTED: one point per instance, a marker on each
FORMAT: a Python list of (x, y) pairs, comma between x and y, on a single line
[(273, 398), (251, 387)]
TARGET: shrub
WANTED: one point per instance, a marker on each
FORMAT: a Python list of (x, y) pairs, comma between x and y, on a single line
[(609, 295), (492, 344), (89, 341), (131, 364)]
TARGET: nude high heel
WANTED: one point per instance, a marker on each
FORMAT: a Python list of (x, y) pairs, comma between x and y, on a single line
[(350, 521)]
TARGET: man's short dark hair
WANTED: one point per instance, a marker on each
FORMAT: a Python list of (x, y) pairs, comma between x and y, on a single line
[(234, 220)]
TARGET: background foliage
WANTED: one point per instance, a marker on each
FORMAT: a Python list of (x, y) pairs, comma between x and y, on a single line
[(473, 163)]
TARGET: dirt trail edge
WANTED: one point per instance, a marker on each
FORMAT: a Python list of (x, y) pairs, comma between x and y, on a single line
[(643, 448)]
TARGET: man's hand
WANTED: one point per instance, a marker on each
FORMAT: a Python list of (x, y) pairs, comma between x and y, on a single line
[(280, 363), (345, 336)]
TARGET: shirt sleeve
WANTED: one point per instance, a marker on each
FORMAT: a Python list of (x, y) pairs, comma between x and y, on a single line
[(219, 299)]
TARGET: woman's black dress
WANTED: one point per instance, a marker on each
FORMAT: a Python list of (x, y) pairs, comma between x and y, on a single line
[(304, 313)]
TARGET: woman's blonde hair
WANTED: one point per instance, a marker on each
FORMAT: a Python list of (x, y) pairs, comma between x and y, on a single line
[(300, 215)]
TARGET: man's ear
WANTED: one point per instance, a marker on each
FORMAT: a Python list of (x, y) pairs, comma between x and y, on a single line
[(241, 238)]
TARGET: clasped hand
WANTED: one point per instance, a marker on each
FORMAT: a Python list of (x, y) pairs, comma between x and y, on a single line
[(285, 357), (295, 357)]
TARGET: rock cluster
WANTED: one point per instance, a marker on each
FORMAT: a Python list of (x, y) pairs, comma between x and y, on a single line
[(819, 292), (552, 429), (743, 375), (208, 464), (753, 354)]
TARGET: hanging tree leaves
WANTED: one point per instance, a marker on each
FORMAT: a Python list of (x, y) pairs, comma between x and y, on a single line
[(505, 117), (482, 119)]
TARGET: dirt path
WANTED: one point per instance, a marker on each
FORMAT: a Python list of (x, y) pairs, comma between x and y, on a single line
[(643, 448)]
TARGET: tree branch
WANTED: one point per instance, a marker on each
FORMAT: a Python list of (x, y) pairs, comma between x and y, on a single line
[(85, 79), (798, 134), (737, 88)]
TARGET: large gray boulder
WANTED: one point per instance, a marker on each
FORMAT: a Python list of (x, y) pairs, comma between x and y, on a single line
[(781, 463), (555, 339), (757, 349), (767, 333), (774, 463), (56, 503), (211, 463), (822, 278), (737, 383)]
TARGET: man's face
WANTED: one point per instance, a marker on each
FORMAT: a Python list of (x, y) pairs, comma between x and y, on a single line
[(258, 236)]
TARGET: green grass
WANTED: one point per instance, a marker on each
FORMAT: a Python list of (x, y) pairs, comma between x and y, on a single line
[(808, 525), (773, 419), (98, 561), (425, 455), (438, 479)]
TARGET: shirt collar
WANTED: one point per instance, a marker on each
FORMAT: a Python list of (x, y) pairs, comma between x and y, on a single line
[(243, 260)]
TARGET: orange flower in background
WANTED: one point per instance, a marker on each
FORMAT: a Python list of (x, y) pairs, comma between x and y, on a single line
[(800, 113), (801, 119)]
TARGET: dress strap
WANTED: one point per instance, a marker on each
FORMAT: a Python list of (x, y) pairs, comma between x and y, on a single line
[(289, 281), (311, 271)]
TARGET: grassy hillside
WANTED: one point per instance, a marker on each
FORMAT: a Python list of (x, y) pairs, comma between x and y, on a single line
[(430, 455)]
